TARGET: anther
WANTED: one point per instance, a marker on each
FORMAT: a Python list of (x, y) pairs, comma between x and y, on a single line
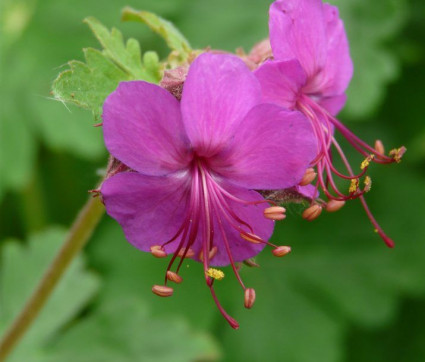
[(249, 298), (189, 253), (251, 263), (334, 205), (397, 153), (367, 161), (158, 251), (281, 251), (354, 186), (211, 253), (162, 290), (308, 177), (215, 273), (312, 213), (275, 213), (252, 238), (379, 147), (98, 124), (367, 184), (174, 277)]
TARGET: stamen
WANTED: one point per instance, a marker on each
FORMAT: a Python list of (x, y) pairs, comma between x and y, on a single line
[(162, 290), (251, 263), (174, 277), (95, 192), (354, 186), (397, 153), (312, 213), (186, 253), (334, 205), (249, 298), (367, 161), (211, 253), (281, 251), (275, 213), (252, 238), (158, 251), (367, 184), (379, 147), (308, 177), (215, 273)]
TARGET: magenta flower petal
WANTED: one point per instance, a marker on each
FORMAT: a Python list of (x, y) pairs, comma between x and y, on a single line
[(297, 31), (150, 209), (314, 34), (188, 193), (271, 149), (218, 93), (338, 70), (308, 191), (143, 128), (286, 91), (333, 104)]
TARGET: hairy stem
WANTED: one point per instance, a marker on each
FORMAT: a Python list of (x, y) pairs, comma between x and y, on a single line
[(79, 234)]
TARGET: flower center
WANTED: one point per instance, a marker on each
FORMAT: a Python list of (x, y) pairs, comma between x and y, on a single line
[(209, 214)]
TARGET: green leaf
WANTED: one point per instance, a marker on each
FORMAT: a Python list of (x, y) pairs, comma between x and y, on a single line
[(22, 267), (17, 146), (174, 39), (71, 131), (124, 330), (88, 84)]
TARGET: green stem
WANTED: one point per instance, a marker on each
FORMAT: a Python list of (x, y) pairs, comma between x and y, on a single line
[(80, 232)]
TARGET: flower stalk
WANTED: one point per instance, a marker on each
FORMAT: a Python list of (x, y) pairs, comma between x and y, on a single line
[(79, 234)]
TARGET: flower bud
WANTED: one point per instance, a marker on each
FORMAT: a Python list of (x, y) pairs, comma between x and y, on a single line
[(249, 298), (174, 277), (312, 212), (275, 213), (308, 177), (162, 290), (281, 251), (334, 205)]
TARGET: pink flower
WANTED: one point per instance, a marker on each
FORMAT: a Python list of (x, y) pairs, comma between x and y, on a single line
[(195, 163), (310, 73)]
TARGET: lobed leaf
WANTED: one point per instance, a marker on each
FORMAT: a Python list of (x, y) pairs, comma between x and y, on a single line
[(88, 84), (173, 37)]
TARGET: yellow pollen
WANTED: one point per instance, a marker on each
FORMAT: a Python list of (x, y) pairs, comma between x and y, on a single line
[(366, 161), (215, 273), (354, 185), (367, 183), (397, 153)]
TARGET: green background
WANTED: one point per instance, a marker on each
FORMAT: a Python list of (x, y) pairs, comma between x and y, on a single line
[(340, 296)]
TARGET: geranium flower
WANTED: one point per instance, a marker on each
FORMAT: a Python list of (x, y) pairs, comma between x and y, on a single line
[(193, 166), (310, 73)]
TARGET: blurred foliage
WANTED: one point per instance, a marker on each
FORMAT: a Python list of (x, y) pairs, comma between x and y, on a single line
[(340, 296), (22, 268)]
